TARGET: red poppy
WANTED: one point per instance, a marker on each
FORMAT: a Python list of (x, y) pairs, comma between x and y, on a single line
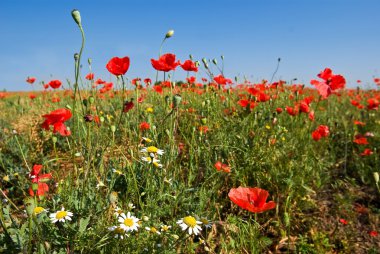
[(311, 116), (320, 132), (373, 233), (136, 81), (165, 63), (293, 111), (55, 84), (224, 167), (366, 152), (128, 105), (99, 81), (57, 118), (359, 123), (38, 180), (221, 80), (158, 89), (330, 82), (147, 81), (373, 104), (191, 80), (279, 110), (251, 199), (118, 66), (32, 96), (360, 140), (189, 65), (343, 221), (90, 76), (144, 126), (31, 80)]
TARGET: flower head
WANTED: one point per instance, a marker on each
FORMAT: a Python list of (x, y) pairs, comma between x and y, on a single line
[(118, 66), (190, 224), (165, 63), (61, 216), (57, 118), (118, 232), (128, 222), (251, 199), (152, 150)]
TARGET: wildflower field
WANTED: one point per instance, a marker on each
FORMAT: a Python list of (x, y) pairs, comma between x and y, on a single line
[(209, 164)]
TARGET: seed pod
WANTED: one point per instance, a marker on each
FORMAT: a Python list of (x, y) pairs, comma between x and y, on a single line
[(76, 16)]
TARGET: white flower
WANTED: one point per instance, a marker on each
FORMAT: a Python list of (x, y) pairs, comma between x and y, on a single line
[(100, 184), (128, 222), (60, 216), (165, 228), (118, 232), (152, 150), (118, 211), (190, 224), (131, 206), (148, 140), (206, 223), (153, 161), (153, 230), (117, 172)]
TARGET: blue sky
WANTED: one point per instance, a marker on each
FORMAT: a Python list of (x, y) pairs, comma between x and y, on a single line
[(39, 38)]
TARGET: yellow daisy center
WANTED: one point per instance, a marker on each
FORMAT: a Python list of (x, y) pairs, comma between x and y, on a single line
[(156, 164), (153, 230), (61, 215), (38, 210), (149, 110), (190, 221), (165, 228), (128, 222), (152, 149)]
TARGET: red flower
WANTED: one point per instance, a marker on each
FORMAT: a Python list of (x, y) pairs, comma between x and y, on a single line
[(147, 81), (31, 80), (359, 123), (57, 118), (191, 80), (90, 76), (165, 63), (321, 131), (55, 84), (224, 167), (144, 126), (279, 110), (38, 180), (292, 111), (189, 65), (311, 116), (128, 105), (32, 96), (221, 80), (118, 66), (373, 104), (366, 152), (251, 199), (99, 81), (330, 82), (158, 89), (360, 140), (373, 233), (343, 221)]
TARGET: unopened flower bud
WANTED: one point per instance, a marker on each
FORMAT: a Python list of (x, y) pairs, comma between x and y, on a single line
[(88, 118), (76, 16), (222, 57), (145, 218), (204, 120), (89, 61), (113, 197), (113, 128), (176, 100), (204, 60), (76, 56), (191, 57), (54, 139), (101, 119), (91, 100), (169, 34), (376, 177), (214, 61)]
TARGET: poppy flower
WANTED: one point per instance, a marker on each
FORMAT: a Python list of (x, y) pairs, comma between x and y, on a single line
[(158, 89), (57, 118), (373, 104), (251, 199), (343, 221), (39, 185), (144, 126), (32, 96), (221, 80), (320, 132), (118, 66), (128, 105), (31, 80), (90, 76), (99, 81), (55, 84), (165, 63), (191, 80), (373, 233), (189, 65), (360, 140), (147, 81), (329, 84), (222, 167)]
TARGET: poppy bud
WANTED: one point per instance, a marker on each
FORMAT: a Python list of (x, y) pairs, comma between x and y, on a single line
[(197, 63), (204, 120), (89, 61), (76, 56), (76, 16), (145, 218), (85, 102), (176, 100), (88, 118), (101, 119), (91, 100), (214, 61), (113, 128), (376, 177), (167, 99), (54, 139), (222, 57), (169, 34), (191, 57), (113, 197), (204, 60)]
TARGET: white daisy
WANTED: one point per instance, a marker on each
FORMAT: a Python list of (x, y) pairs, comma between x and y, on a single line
[(191, 224), (147, 140), (128, 222), (118, 211), (153, 161), (61, 216), (131, 206), (165, 228), (118, 232), (38, 210), (206, 223), (152, 150)]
